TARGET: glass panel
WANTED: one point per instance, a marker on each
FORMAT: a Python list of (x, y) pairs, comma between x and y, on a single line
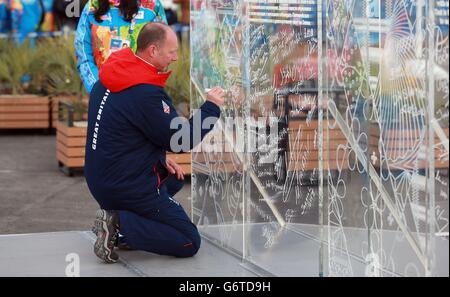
[(217, 178), (346, 135), (282, 222), (331, 155), (440, 129), (381, 202)]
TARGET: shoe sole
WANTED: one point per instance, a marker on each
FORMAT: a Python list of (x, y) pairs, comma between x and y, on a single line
[(101, 248)]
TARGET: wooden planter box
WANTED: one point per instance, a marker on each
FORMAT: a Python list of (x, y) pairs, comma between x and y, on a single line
[(400, 152), (54, 107), (24, 112), (304, 146), (70, 147), (184, 160)]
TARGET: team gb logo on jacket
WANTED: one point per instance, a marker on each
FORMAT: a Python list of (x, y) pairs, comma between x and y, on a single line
[(166, 108)]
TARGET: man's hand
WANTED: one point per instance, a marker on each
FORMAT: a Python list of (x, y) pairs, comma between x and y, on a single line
[(216, 96), (174, 168)]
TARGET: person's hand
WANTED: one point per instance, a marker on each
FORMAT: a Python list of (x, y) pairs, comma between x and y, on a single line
[(216, 96), (174, 168)]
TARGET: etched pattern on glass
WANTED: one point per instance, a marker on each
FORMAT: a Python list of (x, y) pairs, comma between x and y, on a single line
[(356, 181)]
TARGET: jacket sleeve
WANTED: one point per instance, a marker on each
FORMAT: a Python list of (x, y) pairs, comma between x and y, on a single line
[(83, 48), (159, 11), (164, 128)]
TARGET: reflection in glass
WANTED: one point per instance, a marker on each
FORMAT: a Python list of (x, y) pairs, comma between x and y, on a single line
[(355, 181)]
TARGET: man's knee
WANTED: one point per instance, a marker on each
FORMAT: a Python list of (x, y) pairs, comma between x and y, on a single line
[(197, 240), (190, 249)]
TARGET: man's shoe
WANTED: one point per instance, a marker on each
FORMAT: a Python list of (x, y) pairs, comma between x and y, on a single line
[(106, 227), (120, 244)]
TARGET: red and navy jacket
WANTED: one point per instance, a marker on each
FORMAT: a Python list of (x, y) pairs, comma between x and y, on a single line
[(129, 129)]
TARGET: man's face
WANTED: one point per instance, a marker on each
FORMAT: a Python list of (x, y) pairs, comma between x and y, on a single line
[(167, 52)]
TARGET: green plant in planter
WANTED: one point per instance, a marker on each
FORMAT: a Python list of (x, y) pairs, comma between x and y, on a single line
[(15, 63), (178, 85), (55, 70), (55, 67)]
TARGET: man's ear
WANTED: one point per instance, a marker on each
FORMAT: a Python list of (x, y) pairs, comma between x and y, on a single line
[(152, 50)]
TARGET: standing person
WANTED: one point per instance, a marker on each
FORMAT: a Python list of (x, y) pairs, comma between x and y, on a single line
[(47, 23), (130, 128), (26, 17), (104, 27), (5, 22), (171, 11), (185, 11)]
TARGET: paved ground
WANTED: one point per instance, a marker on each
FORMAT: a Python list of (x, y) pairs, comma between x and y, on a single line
[(35, 196), (56, 253)]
